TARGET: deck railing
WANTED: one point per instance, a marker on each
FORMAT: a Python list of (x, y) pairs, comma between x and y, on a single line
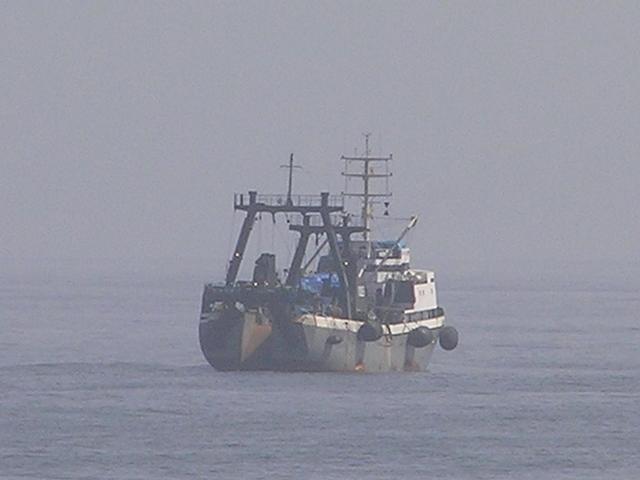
[(280, 200), (336, 220)]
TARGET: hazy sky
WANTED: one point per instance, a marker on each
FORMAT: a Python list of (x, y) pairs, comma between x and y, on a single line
[(125, 127)]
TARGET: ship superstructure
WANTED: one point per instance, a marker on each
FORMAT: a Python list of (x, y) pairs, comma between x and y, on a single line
[(351, 304)]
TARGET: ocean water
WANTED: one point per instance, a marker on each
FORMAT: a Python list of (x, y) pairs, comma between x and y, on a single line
[(101, 377)]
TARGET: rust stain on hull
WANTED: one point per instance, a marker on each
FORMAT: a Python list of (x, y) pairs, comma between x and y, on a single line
[(254, 334)]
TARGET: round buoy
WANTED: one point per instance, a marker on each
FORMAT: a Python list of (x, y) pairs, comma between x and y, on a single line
[(420, 337), (448, 338), (370, 332)]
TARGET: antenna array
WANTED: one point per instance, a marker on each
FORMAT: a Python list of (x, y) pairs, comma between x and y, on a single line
[(375, 174)]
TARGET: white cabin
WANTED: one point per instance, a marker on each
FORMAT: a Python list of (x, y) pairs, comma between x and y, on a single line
[(388, 278)]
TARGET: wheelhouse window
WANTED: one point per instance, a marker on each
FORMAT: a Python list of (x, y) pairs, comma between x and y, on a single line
[(404, 293)]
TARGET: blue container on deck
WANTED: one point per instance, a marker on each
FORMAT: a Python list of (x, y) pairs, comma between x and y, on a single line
[(313, 283)]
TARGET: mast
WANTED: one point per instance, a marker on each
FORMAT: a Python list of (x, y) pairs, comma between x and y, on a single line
[(365, 198), (290, 167), (368, 168)]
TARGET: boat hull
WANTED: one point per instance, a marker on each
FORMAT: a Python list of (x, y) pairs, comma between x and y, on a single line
[(252, 341)]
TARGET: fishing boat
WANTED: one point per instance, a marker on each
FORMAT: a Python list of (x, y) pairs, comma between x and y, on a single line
[(350, 303)]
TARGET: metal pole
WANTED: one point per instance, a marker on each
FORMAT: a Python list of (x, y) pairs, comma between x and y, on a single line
[(289, 201), (365, 200), (315, 255), (335, 253), (241, 245)]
